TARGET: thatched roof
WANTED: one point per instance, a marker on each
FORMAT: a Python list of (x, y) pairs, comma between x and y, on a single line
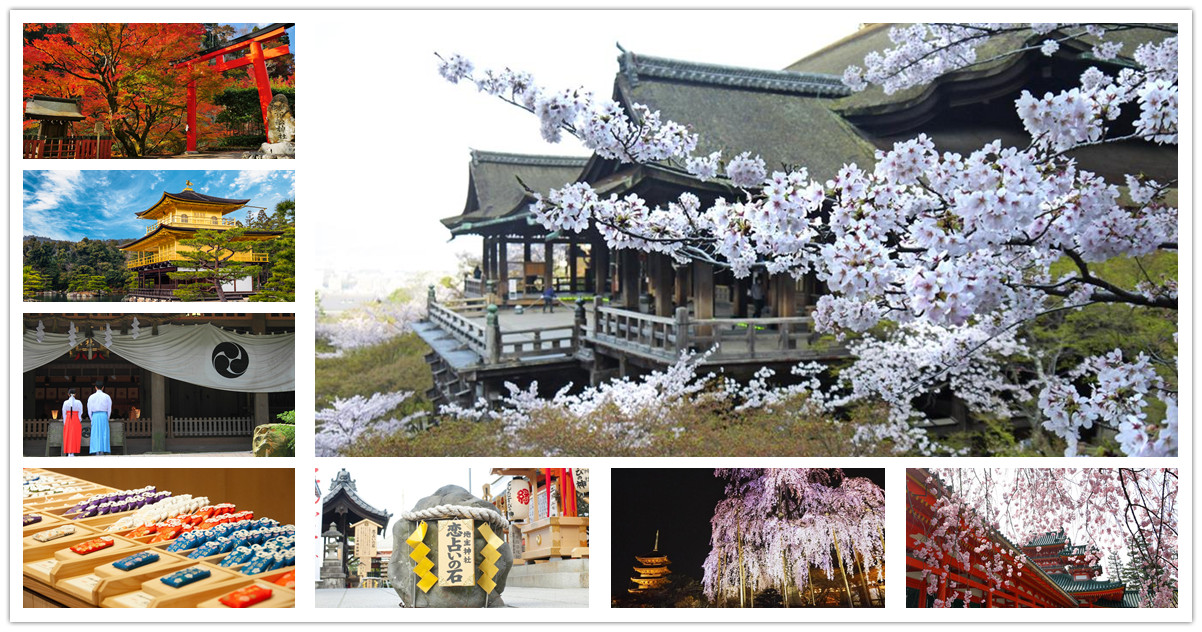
[(494, 190), (851, 50), (780, 115)]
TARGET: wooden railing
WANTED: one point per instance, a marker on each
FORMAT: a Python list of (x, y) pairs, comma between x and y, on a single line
[(527, 343), (653, 335), (68, 148), (460, 328), (473, 287), (730, 339), (467, 306), (174, 255), (37, 428), (211, 427), (494, 345)]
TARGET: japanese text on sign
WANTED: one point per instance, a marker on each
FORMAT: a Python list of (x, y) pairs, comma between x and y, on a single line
[(456, 553)]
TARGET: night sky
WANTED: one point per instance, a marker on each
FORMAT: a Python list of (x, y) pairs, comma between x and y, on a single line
[(679, 503)]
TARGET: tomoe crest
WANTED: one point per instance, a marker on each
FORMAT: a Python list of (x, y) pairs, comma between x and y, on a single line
[(230, 360)]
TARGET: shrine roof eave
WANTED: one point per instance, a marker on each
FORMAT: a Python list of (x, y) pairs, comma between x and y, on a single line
[(359, 510), (184, 232), (193, 197)]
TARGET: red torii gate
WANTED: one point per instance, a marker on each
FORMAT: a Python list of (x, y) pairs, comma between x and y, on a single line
[(256, 59)]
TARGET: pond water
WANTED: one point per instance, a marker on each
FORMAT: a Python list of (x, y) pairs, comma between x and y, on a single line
[(60, 298)]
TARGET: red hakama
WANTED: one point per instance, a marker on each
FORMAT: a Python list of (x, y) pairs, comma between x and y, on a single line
[(72, 428)]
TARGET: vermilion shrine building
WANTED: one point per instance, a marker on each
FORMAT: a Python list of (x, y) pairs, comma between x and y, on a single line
[(1048, 572), (642, 310)]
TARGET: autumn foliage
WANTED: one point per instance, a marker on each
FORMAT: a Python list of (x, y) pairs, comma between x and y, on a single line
[(126, 76)]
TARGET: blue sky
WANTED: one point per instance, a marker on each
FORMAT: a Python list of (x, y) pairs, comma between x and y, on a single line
[(244, 27), (72, 204)]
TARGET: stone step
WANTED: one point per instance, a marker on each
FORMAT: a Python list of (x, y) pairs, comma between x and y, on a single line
[(563, 573)]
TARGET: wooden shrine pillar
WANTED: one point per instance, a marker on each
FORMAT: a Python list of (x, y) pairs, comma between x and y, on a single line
[(683, 283), (526, 250), (158, 412), (628, 263), (262, 402), (503, 269), (601, 277), (738, 298), (486, 259), (259, 71), (662, 278), (703, 294), (786, 296), (548, 265), (573, 253)]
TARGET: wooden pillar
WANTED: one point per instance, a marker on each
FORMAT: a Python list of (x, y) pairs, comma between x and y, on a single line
[(525, 260), (573, 253), (681, 295), (601, 278), (262, 407), (158, 413), (503, 269), (738, 298), (629, 270), (786, 296), (259, 70), (662, 277), (703, 295), (486, 258), (548, 265)]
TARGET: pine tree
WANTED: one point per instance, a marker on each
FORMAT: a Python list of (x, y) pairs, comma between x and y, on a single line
[(209, 263)]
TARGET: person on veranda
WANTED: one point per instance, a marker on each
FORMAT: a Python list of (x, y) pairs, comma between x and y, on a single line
[(100, 406), (758, 295), (549, 299), (72, 424)]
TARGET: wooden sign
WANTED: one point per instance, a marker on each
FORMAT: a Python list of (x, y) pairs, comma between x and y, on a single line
[(456, 553)]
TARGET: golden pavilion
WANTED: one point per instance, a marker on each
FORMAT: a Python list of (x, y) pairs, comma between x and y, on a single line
[(158, 254)]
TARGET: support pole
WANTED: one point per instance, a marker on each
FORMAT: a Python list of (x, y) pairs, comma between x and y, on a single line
[(503, 270), (703, 295), (629, 263), (573, 253), (548, 265), (842, 571), (601, 279), (158, 413), (258, 66)]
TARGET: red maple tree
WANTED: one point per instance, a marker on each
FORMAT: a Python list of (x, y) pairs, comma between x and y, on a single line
[(125, 75)]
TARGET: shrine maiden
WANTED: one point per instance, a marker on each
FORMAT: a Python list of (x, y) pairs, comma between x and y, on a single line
[(72, 424), (100, 406)]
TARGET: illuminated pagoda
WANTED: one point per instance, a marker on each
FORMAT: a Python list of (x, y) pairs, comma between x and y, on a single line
[(158, 254), (653, 571), (1048, 572)]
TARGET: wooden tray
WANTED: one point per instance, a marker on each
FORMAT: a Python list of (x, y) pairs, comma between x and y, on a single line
[(281, 597), (156, 594), (32, 550), (49, 521), (107, 581), (68, 562)]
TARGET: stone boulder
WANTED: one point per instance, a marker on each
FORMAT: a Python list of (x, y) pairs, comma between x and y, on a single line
[(281, 132), (400, 567), (274, 440)]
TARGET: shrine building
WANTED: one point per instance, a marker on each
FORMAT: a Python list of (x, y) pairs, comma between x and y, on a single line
[(353, 518), (1048, 572), (157, 255), (622, 312), (164, 375)]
